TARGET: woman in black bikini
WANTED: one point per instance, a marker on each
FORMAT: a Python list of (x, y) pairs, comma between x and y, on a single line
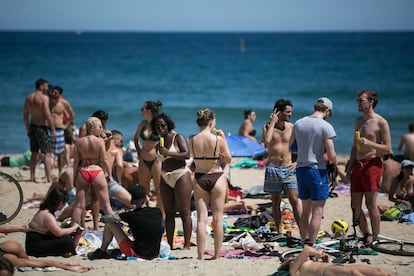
[(146, 142), (209, 152), (247, 129), (176, 184)]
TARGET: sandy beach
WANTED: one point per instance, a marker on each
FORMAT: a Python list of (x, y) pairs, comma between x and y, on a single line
[(336, 208)]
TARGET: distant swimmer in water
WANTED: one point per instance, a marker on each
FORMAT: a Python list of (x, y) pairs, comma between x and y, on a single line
[(247, 129)]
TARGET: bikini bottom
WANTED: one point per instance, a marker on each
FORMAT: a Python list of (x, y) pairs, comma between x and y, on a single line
[(89, 175), (149, 163), (207, 180), (172, 177)]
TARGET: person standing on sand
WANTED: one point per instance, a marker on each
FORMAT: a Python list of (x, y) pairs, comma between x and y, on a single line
[(247, 129), (57, 109), (146, 142), (365, 163), (90, 169), (176, 185), (280, 170), (36, 114), (68, 121), (313, 136), (209, 152)]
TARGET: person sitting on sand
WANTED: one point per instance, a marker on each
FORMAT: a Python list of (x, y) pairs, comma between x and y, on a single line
[(144, 222), (15, 254), (45, 237), (401, 191), (303, 266)]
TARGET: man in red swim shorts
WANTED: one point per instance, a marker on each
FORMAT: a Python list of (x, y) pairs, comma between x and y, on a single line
[(372, 141)]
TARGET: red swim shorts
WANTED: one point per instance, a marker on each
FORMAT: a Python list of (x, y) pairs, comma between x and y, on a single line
[(366, 175), (127, 247)]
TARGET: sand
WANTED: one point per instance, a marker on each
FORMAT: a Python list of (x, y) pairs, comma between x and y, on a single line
[(336, 208)]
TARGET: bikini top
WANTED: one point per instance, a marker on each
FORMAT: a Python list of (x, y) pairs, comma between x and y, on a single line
[(172, 148), (204, 157), (88, 162), (252, 133), (152, 137)]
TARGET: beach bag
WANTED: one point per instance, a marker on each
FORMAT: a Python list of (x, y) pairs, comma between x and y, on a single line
[(392, 213)]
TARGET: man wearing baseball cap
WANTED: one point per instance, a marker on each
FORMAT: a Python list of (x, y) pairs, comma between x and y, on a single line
[(145, 224), (313, 136)]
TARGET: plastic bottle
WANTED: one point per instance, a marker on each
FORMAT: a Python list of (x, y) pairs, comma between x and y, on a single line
[(165, 249)]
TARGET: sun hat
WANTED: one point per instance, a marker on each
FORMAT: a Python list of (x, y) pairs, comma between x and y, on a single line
[(326, 102), (406, 163), (139, 195)]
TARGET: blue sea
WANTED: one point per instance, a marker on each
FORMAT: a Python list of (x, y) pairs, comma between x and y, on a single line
[(227, 72)]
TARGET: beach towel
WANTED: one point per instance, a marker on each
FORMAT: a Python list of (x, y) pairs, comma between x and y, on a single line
[(43, 269), (409, 218)]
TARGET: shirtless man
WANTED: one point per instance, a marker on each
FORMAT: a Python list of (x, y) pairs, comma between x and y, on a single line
[(280, 171), (365, 164), (57, 109), (68, 121), (407, 143), (303, 266), (36, 115)]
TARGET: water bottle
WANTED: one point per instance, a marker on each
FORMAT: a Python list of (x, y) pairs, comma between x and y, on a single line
[(165, 249)]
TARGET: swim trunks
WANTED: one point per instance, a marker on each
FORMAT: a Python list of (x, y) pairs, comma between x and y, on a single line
[(366, 175), (278, 178), (114, 187), (207, 180), (39, 139), (312, 183), (89, 175), (172, 177), (58, 143)]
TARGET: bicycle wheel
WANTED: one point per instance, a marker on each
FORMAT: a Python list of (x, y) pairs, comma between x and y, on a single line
[(11, 198), (394, 247)]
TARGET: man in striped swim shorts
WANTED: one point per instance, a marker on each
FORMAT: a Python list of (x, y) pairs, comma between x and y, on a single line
[(280, 170)]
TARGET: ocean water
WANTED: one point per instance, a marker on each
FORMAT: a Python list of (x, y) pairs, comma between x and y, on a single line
[(227, 72)]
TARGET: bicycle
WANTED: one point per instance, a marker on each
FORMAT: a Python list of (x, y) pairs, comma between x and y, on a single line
[(344, 249), (11, 198)]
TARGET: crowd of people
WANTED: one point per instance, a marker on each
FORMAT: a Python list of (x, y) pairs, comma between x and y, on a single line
[(297, 159)]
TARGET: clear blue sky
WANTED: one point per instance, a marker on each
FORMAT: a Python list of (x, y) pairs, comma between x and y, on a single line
[(207, 15)]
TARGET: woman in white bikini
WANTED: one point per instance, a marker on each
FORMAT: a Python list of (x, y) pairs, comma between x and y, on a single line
[(176, 184)]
